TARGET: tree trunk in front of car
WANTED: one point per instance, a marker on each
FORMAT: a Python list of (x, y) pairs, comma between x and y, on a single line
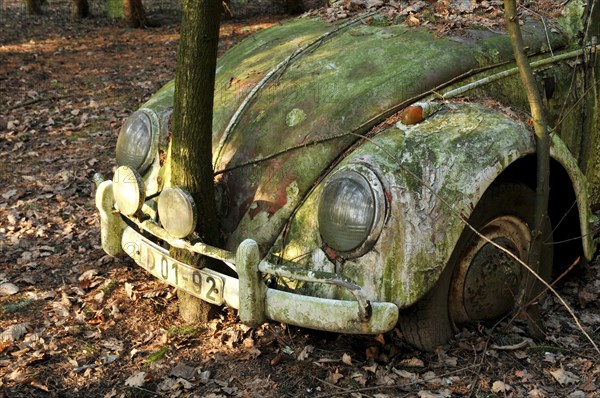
[(191, 142)]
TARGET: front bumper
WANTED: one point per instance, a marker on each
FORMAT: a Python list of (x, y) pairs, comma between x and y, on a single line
[(247, 293)]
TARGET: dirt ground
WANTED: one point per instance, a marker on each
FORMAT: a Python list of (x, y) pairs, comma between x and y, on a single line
[(77, 323)]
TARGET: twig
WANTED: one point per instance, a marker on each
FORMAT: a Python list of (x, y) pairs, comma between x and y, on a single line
[(545, 27), (146, 390), (511, 347), (331, 384), (585, 93)]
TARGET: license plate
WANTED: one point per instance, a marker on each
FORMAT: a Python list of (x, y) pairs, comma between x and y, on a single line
[(195, 281)]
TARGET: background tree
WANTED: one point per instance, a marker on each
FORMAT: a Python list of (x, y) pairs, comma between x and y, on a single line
[(191, 143), (80, 9), (134, 13), (130, 10), (33, 7)]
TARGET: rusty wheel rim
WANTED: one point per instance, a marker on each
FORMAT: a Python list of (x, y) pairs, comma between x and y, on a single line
[(487, 282)]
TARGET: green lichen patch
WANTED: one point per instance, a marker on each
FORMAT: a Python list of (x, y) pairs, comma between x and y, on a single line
[(295, 117)]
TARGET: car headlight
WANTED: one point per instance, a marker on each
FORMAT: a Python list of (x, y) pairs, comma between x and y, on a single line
[(136, 145), (128, 189), (177, 212), (351, 211)]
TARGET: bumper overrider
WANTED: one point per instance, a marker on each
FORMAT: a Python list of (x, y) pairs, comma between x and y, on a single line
[(248, 293)]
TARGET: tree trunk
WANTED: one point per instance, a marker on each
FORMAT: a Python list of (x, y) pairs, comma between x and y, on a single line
[(79, 9), (134, 13), (115, 9), (33, 7), (191, 144), (542, 149)]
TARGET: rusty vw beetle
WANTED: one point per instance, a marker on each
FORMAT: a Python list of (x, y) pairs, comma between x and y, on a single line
[(348, 158)]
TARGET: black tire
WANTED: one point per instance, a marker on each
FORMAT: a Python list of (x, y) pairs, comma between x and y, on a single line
[(431, 321)]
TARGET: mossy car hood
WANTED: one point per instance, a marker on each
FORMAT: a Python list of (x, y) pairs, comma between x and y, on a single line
[(291, 99)]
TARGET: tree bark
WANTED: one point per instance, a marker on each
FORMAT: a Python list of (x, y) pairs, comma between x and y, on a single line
[(134, 13), (542, 148), (191, 143), (33, 7), (79, 9)]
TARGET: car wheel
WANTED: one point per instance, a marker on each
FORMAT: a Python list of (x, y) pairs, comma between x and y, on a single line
[(480, 282)]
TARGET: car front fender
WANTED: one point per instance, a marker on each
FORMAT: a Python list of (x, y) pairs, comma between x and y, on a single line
[(434, 174)]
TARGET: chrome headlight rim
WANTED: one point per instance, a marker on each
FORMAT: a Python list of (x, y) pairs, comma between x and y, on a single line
[(155, 126), (374, 182)]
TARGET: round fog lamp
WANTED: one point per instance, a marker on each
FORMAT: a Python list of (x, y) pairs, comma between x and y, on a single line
[(177, 212), (128, 189)]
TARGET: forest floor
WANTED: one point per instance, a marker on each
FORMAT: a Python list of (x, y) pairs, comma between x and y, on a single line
[(77, 323)]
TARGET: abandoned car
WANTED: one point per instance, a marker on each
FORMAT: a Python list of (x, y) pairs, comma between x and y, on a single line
[(348, 157)]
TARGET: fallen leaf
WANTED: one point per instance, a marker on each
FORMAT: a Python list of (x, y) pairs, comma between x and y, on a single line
[(564, 377), (9, 194), (204, 376), (412, 20), (136, 380), (109, 359), (404, 374), (303, 356), (536, 393), (380, 339), (39, 386), (129, 291), (412, 363), (184, 371), (500, 387), (347, 359), (359, 377), (89, 274), (333, 378), (14, 332), (432, 379), (588, 387), (277, 359), (8, 289), (372, 368), (251, 353)]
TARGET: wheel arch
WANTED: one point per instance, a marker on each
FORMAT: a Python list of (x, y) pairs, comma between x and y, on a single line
[(568, 207)]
